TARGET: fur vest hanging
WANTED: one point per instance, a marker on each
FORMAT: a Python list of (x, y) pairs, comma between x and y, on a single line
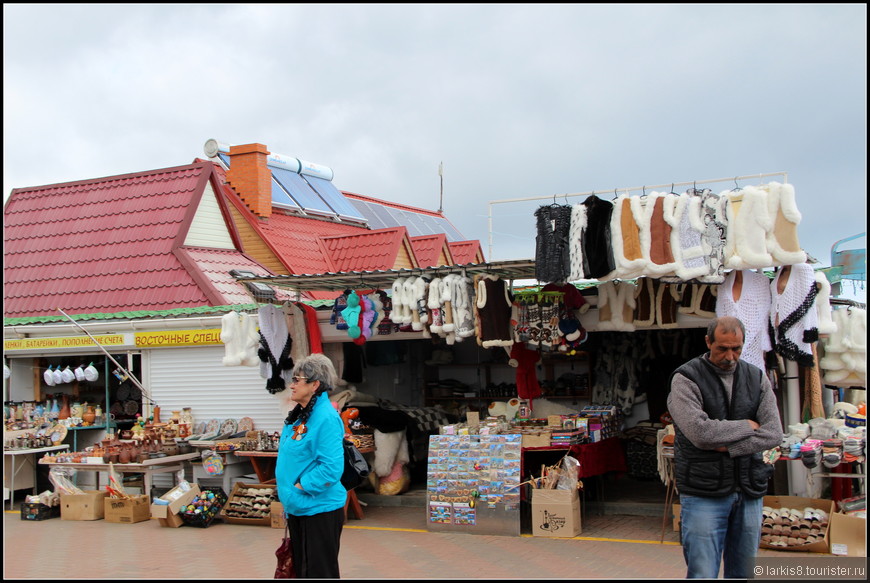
[(782, 238), (656, 303), (399, 311), (461, 296), (616, 306), (296, 327), (436, 311), (793, 322), (494, 308), (596, 239), (713, 239), (552, 250), (823, 304), (240, 338), (683, 213), (752, 308), (698, 299), (845, 360), (625, 235), (575, 242), (749, 221), (655, 234)]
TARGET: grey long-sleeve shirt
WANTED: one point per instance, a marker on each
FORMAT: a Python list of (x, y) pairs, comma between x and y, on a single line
[(686, 408)]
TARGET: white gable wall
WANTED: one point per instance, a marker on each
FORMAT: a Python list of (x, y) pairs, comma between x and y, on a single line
[(208, 228)]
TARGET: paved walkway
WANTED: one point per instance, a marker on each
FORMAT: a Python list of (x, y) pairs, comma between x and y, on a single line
[(389, 543)]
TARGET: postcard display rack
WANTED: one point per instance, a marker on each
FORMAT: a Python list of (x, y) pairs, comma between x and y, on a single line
[(473, 484)]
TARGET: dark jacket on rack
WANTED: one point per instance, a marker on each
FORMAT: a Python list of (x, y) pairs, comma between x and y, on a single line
[(598, 259), (552, 250)]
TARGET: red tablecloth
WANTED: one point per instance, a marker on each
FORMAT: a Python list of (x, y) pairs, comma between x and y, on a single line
[(600, 457)]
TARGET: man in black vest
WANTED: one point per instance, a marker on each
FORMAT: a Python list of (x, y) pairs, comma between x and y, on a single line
[(725, 415)]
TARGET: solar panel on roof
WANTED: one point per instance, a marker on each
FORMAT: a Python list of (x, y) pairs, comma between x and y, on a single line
[(280, 196), (301, 191), (334, 198)]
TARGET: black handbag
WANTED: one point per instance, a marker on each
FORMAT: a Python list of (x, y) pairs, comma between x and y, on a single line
[(356, 468), (284, 569)]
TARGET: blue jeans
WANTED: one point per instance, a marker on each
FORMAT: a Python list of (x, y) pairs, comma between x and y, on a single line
[(726, 527)]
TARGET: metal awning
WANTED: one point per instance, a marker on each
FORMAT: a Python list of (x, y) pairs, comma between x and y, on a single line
[(383, 279)]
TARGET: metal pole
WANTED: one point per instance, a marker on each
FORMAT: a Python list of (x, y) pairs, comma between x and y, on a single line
[(100, 346)]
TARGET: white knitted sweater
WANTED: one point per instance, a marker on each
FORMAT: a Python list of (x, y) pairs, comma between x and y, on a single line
[(753, 309), (793, 316)]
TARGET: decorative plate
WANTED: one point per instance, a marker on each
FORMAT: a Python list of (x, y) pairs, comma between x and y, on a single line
[(213, 426), (134, 394), (131, 407), (199, 428), (229, 426), (41, 432), (246, 424), (123, 392), (58, 433)]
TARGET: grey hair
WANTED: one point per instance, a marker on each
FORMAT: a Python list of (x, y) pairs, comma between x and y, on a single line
[(728, 323), (317, 367)]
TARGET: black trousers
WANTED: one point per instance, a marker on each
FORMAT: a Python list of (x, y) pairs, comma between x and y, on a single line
[(316, 540)]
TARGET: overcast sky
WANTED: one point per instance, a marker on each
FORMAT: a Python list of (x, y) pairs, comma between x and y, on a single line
[(517, 101)]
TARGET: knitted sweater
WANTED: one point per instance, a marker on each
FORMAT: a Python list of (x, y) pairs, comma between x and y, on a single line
[(752, 308), (793, 317)]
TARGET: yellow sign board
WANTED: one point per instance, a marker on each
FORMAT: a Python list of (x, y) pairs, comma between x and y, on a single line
[(63, 342), (178, 338)]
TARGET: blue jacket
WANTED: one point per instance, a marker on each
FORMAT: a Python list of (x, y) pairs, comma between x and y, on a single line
[(316, 462)]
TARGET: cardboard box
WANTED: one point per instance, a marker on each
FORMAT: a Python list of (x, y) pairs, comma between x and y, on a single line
[(555, 513), (270, 491), (278, 520), (800, 503), (171, 521), (539, 439), (127, 511), (87, 506), (848, 535), (167, 514), (676, 511)]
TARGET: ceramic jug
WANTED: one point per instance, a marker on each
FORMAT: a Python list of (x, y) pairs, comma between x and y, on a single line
[(89, 416), (65, 410)]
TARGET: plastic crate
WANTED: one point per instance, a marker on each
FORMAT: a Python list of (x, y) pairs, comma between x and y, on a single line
[(38, 511), (204, 519)]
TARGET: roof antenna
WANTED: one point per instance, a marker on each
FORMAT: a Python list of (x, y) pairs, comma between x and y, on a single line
[(441, 175)]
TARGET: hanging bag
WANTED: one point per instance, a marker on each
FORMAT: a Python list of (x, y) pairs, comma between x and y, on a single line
[(356, 468), (284, 569)]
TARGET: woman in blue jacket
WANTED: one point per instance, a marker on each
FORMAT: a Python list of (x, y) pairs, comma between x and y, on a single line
[(308, 470)]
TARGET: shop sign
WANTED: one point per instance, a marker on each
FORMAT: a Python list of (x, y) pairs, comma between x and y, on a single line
[(63, 342), (178, 338)]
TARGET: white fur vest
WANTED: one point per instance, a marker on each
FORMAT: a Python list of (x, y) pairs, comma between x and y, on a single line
[(749, 222), (683, 214), (625, 233), (782, 238), (240, 338)]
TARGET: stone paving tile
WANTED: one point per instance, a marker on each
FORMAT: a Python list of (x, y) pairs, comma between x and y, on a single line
[(389, 543)]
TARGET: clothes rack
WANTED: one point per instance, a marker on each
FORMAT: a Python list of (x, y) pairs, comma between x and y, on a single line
[(643, 188)]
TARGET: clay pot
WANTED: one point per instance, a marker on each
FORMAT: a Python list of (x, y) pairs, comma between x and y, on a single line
[(89, 416), (65, 410), (124, 455)]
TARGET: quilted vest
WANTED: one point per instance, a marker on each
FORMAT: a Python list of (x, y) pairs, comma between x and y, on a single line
[(711, 473)]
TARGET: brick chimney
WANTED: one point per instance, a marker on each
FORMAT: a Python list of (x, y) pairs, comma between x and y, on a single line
[(251, 178)]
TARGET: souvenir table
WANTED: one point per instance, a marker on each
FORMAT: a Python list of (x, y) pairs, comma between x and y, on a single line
[(10, 455), (149, 467)]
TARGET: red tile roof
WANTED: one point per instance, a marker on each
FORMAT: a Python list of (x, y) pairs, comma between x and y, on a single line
[(113, 244), (368, 250), (464, 252), (428, 249)]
